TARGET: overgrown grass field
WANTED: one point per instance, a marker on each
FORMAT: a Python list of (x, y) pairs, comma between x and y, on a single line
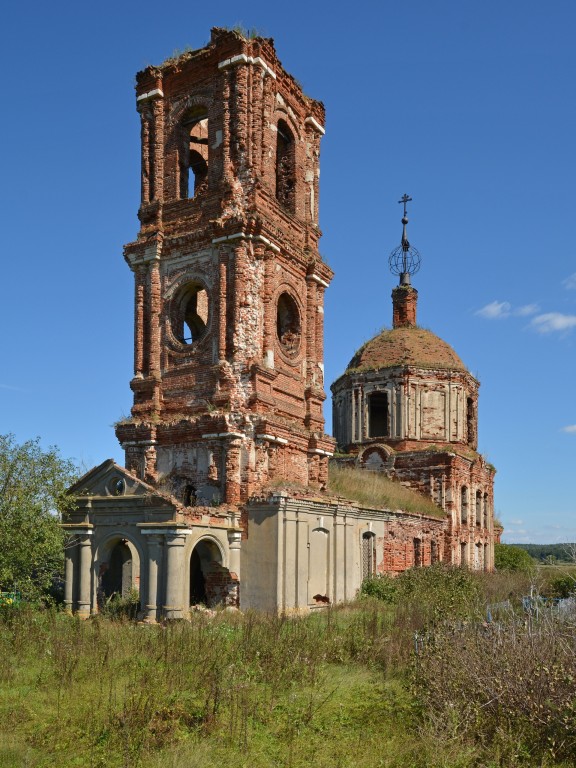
[(409, 677)]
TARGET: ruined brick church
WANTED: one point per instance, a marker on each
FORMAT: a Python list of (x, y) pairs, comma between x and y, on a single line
[(225, 495)]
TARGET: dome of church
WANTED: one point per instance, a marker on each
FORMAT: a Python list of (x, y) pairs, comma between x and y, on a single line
[(402, 346)]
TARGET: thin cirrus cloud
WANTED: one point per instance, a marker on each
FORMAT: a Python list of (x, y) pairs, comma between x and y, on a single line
[(553, 322), (571, 429), (570, 282), (547, 322), (527, 310), (498, 310)]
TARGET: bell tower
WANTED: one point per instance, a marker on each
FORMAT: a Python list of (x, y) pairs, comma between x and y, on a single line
[(229, 283)]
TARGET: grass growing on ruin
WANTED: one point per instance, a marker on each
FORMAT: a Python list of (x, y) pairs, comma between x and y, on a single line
[(343, 687), (376, 490)]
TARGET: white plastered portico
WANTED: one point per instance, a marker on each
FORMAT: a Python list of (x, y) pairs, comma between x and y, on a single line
[(124, 535)]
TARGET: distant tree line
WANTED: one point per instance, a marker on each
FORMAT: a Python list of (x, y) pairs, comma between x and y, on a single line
[(562, 553)]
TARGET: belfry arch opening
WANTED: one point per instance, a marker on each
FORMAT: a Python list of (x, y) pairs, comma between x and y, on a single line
[(204, 556), (378, 415), (285, 167), (194, 165), (190, 315)]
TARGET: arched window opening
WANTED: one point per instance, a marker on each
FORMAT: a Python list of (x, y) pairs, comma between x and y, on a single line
[(464, 505), (285, 167), (417, 543), (189, 495), (470, 422), (485, 522), (194, 165), (368, 555), (478, 552), (288, 324), (378, 415), (190, 316), (433, 552), (463, 553), (197, 174), (374, 460), (478, 508), (438, 490)]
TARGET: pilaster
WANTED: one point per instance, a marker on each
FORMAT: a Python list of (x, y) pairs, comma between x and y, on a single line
[(234, 544)]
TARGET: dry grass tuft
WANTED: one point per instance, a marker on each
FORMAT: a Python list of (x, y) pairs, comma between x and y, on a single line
[(376, 490)]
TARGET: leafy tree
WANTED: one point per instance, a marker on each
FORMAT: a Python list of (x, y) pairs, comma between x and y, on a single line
[(33, 486), (509, 557)]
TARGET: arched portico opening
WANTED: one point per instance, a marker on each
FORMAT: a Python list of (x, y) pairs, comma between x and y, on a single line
[(119, 570), (205, 565)]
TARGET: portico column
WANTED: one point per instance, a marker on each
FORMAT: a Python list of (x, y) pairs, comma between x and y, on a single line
[(85, 575), (174, 574), (154, 555), (70, 557)]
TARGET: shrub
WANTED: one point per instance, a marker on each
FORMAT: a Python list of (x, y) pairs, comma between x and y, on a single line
[(382, 587), (562, 586), (122, 606), (441, 589), (507, 687), (436, 591)]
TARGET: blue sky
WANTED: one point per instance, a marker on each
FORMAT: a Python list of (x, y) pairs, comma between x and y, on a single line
[(468, 107)]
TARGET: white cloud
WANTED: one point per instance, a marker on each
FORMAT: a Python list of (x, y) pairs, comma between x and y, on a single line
[(553, 321), (570, 282), (571, 428), (527, 309), (495, 310)]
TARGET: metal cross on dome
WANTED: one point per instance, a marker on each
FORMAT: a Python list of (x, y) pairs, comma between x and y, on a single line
[(405, 199), (405, 259)]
